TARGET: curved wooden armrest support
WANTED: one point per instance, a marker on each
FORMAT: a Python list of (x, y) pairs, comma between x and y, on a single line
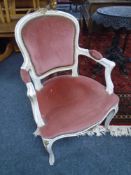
[(109, 65), (31, 93)]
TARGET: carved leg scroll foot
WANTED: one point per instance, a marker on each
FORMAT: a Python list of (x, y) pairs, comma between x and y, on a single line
[(48, 145)]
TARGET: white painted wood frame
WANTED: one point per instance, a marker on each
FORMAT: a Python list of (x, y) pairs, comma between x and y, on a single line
[(36, 80)]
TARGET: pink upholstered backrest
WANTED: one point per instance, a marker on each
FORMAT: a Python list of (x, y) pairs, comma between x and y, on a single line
[(50, 42)]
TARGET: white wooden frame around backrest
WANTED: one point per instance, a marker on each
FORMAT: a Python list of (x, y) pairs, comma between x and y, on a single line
[(27, 65)]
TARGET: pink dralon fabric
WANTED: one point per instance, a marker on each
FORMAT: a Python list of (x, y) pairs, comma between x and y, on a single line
[(97, 55), (50, 42), (25, 76), (70, 104)]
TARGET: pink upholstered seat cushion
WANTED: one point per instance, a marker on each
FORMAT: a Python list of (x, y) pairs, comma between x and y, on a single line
[(70, 104)]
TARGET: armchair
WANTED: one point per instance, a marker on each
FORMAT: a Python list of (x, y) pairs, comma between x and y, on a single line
[(65, 105)]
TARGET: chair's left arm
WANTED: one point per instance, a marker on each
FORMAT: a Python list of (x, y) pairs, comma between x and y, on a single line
[(31, 93), (109, 65)]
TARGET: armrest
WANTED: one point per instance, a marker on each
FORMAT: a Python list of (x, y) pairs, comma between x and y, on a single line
[(109, 65), (25, 75)]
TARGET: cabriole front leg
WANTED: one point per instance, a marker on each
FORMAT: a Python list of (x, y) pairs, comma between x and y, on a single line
[(48, 145)]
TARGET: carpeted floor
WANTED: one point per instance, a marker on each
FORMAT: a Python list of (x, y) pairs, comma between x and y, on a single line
[(22, 153)]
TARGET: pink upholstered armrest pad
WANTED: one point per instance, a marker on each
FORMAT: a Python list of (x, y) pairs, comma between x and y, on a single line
[(25, 76), (95, 54)]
